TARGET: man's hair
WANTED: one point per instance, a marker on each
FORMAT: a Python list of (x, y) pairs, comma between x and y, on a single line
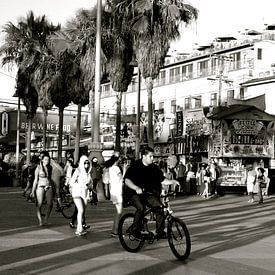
[(146, 150)]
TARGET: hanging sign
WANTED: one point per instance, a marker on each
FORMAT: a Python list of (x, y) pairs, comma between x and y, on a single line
[(5, 123)]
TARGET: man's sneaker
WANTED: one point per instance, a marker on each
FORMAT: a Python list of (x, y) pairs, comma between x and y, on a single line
[(86, 226), (80, 233), (114, 235), (72, 225)]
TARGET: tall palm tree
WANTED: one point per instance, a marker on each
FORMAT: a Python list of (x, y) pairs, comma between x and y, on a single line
[(78, 39), (24, 45), (117, 44), (155, 25), (42, 81)]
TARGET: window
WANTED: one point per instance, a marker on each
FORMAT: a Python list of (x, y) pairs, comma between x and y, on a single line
[(235, 61), (259, 53), (187, 71), (134, 84), (242, 93), (197, 101), (230, 94), (213, 99), (203, 68), (106, 90), (187, 103), (173, 106), (214, 66), (133, 109), (161, 105), (161, 77), (175, 74)]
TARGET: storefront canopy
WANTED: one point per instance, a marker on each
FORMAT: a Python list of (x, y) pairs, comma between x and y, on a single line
[(240, 112)]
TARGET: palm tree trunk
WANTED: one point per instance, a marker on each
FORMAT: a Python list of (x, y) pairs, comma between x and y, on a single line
[(60, 135), (77, 134), (45, 112), (149, 84), (28, 160), (118, 121)]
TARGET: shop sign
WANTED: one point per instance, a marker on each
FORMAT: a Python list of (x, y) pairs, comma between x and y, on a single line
[(179, 123), (247, 127), (247, 138), (50, 127), (4, 123)]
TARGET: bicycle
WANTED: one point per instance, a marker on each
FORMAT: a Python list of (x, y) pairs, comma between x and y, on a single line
[(177, 233), (67, 203)]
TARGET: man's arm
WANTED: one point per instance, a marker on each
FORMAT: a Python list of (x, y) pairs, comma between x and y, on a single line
[(132, 186)]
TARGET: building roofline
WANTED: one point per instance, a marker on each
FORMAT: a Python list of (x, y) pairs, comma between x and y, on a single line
[(258, 81)]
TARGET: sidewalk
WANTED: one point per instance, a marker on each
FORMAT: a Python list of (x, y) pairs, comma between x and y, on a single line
[(229, 236)]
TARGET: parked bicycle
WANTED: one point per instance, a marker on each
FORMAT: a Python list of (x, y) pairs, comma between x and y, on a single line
[(177, 233)]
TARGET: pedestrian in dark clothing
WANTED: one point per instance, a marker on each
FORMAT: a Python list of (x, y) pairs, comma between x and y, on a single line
[(181, 173), (96, 174), (261, 180)]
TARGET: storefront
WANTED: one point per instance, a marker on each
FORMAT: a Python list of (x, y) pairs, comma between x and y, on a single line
[(241, 135), (191, 138)]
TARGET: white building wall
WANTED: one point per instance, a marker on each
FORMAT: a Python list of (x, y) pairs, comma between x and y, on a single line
[(249, 68)]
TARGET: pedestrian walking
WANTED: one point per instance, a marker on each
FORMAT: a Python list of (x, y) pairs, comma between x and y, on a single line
[(251, 177), (29, 174), (116, 187), (181, 169), (261, 181), (81, 183), (43, 188), (205, 174)]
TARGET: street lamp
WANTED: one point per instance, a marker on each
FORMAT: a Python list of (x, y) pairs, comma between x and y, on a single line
[(96, 146), (17, 136)]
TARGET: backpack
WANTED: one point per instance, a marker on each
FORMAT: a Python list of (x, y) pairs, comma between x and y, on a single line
[(105, 176)]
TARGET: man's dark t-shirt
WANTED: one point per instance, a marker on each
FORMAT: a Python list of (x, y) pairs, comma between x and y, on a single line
[(148, 178)]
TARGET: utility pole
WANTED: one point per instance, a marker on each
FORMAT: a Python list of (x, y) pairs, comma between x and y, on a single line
[(220, 77)]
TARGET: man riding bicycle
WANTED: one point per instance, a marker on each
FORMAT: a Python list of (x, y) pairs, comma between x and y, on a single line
[(144, 181)]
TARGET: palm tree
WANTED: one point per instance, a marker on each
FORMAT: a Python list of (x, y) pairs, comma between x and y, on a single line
[(117, 44), (155, 25), (78, 39), (24, 45)]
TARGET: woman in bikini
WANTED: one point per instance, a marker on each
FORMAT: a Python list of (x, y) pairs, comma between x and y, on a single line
[(43, 188)]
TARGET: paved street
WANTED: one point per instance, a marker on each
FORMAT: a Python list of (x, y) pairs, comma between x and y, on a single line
[(229, 236)]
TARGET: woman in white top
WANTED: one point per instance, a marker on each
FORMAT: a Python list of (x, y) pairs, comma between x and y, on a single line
[(116, 185), (80, 184), (251, 177)]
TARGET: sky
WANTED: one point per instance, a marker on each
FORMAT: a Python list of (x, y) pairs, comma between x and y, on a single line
[(216, 18)]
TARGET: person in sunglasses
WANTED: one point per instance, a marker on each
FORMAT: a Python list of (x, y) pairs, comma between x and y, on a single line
[(80, 184)]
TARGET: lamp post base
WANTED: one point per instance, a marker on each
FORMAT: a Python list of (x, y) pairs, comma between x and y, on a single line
[(95, 149)]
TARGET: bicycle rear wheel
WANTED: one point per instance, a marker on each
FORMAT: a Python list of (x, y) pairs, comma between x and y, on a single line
[(179, 238), (128, 242), (67, 207)]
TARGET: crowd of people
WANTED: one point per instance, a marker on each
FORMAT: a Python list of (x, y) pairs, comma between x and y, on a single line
[(124, 181)]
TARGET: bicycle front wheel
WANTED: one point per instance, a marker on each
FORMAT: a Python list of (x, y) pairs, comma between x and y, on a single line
[(128, 242), (67, 207), (179, 238)]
